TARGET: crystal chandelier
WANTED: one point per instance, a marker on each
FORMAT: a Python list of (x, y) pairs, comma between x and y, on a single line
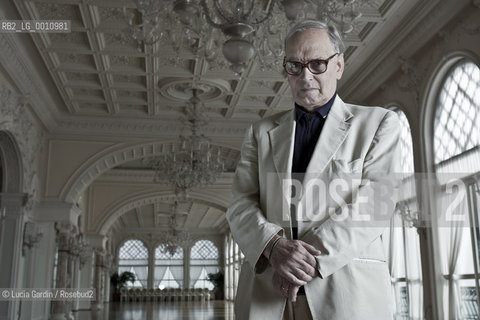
[(196, 162), (174, 238), (240, 29)]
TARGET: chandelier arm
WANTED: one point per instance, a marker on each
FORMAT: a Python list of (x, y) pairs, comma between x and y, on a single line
[(220, 12), (249, 11), (207, 16), (269, 13)]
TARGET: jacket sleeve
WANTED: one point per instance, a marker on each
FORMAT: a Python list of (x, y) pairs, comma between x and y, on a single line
[(345, 238), (250, 228)]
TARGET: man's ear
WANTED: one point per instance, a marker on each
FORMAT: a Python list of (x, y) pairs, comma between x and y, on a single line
[(340, 65)]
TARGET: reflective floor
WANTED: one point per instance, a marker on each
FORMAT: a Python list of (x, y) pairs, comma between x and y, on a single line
[(211, 310)]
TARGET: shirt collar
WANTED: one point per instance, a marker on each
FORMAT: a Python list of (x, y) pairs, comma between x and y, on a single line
[(321, 111)]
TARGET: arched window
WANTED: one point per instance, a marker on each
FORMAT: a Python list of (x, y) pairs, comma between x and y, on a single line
[(203, 260), (456, 146), (168, 268), (133, 257), (457, 120)]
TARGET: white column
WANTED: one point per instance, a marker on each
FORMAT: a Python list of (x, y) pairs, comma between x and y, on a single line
[(98, 281), (107, 271), (61, 221), (86, 279), (75, 279), (11, 230), (61, 310), (98, 244)]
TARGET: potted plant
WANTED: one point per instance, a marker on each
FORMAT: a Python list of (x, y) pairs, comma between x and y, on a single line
[(119, 281), (218, 280)]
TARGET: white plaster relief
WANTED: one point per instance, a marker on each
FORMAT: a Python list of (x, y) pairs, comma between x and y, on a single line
[(28, 136)]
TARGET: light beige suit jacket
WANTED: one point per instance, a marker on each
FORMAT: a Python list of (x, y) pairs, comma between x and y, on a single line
[(354, 281)]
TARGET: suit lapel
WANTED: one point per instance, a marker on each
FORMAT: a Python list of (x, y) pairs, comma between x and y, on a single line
[(333, 134), (281, 140)]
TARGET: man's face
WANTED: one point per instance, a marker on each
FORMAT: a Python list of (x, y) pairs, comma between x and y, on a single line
[(313, 90)]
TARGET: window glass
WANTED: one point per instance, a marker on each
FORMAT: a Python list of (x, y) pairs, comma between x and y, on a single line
[(457, 120), (203, 260), (169, 267), (133, 257)]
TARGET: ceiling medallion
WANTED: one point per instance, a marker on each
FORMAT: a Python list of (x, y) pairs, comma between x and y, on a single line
[(180, 89)]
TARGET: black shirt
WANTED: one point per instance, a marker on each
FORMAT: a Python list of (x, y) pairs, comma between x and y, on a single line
[(307, 130)]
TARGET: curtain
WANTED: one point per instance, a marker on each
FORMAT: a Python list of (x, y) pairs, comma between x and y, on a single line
[(159, 273), (195, 272), (450, 241), (123, 269), (211, 269), (414, 273), (142, 273), (177, 272)]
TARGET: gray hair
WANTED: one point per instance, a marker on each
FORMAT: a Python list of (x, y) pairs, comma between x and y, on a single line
[(332, 30)]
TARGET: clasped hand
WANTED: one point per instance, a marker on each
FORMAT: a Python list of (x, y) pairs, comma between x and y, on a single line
[(294, 264)]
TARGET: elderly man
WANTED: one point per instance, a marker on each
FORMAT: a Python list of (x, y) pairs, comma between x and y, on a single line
[(320, 258)]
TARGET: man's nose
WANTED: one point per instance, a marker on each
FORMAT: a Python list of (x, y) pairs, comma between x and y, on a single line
[(306, 74)]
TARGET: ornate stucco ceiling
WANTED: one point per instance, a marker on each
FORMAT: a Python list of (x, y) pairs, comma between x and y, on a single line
[(102, 74)]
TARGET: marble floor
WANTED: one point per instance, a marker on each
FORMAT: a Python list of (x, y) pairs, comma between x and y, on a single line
[(210, 310)]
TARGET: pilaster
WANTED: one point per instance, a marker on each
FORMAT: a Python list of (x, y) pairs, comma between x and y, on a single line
[(11, 232), (98, 243)]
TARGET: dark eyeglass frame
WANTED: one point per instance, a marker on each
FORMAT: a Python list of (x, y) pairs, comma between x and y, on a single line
[(307, 65)]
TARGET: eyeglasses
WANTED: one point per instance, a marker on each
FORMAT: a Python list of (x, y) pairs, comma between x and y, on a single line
[(316, 66)]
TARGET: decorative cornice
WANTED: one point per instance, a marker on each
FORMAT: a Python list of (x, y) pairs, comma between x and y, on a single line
[(146, 176), (56, 211), (147, 127), (96, 241)]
